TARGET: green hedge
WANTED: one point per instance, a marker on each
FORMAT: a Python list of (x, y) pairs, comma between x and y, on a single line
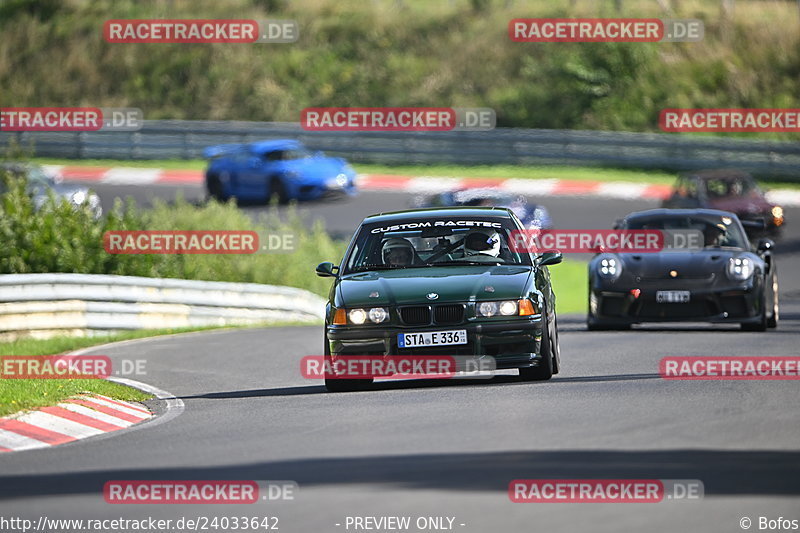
[(61, 238)]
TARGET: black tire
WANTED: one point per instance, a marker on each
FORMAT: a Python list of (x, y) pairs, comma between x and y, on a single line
[(342, 385), (214, 188), (762, 324), (544, 371), (772, 321), (277, 192)]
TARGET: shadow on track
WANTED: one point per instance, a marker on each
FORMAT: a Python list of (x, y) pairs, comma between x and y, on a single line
[(723, 472), (505, 380)]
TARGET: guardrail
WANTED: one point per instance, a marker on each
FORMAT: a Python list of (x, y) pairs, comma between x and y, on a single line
[(172, 139), (44, 305)]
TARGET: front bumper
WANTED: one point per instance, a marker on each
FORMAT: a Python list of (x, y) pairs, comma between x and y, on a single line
[(726, 304), (318, 190), (513, 344)]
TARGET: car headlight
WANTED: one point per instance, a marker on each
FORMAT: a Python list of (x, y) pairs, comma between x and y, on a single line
[(740, 268), (523, 307), (609, 267), (777, 215), (487, 308), (360, 316), (378, 315)]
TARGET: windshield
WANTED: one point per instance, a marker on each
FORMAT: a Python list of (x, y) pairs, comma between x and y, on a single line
[(725, 187), (717, 231), (416, 243)]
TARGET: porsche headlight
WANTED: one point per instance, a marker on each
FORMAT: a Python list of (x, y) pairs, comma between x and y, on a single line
[(609, 267), (740, 268)]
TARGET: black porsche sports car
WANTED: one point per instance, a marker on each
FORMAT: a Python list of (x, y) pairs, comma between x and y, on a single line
[(444, 281), (725, 280)]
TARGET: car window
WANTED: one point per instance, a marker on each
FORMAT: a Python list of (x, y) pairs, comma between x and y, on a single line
[(436, 242), (717, 231)]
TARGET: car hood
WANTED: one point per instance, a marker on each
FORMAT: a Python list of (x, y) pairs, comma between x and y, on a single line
[(686, 263), (749, 205), (452, 284), (60, 191), (317, 168)]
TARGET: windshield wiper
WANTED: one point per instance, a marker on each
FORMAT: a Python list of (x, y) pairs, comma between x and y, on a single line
[(470, 263)]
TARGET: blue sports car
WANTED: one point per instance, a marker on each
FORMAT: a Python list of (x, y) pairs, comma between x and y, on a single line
[(533, 216), (282, 169)]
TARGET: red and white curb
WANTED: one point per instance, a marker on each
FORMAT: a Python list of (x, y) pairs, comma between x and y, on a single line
[(73, 419), (409, 184)]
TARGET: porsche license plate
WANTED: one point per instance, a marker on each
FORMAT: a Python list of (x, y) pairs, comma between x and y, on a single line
[(432, 338), (673, 297)]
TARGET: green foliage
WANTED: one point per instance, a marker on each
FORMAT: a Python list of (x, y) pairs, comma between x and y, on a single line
[(400, 52), (61, 238)]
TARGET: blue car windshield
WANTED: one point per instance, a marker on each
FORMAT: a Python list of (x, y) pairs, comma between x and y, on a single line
[(416, 243)]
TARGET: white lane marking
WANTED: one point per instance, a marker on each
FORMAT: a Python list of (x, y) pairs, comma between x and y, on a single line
[(97, 415), (530, 187), (52, 170), (127, 404), (131, 176), (784, 197), (120, 408), (57, 424), (430, 185), (616, 189), (15, 441)]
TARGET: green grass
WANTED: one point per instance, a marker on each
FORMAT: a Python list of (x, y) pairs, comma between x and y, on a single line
[(476, 171), (19, 394), (569, 281)]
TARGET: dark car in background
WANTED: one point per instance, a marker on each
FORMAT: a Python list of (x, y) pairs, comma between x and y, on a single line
[(723, 280), (533, 216), (445, 281), (728, 190), (41, 185), (283, 169)]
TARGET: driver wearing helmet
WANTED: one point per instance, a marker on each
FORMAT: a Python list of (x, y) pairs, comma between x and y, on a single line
[(397, 252), (482, 243)]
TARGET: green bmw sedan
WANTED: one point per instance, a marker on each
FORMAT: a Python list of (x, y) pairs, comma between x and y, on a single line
[(442, 282)]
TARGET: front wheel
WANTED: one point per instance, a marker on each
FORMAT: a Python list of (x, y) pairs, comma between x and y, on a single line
[(548, 349), (277, 192), (341, 385), (772, 321), (762, 323)]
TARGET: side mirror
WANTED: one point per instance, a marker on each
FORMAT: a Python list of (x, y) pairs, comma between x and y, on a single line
[(326, 270), (765, 245), (552, 257)]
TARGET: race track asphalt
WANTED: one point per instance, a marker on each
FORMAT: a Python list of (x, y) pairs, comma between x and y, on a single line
[(434, 448)]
